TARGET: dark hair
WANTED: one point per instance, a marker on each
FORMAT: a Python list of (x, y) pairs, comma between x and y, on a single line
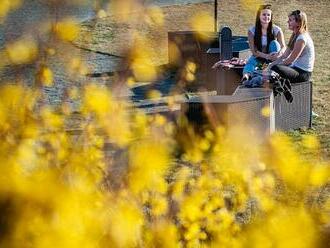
[(258, 29)]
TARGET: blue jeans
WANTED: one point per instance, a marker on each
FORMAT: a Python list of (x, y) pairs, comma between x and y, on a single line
[(274, 46)]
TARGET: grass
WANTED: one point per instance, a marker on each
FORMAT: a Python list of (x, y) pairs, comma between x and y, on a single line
[(109, 36)]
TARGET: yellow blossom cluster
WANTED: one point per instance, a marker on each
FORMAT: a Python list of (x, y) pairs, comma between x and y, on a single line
[(8, 5), (53, 187), (131, 179)]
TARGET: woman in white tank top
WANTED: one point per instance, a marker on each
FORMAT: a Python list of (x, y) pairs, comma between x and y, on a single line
[(297, 62)]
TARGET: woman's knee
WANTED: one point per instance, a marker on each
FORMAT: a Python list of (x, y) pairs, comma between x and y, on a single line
[(276, 68), (274, 46), (250, 65), (280, 70)]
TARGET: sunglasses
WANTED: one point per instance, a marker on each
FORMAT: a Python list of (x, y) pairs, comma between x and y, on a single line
[(296, 13), (265, 6)]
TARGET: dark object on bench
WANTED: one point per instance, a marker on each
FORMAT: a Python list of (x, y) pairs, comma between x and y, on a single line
[(225, 43)]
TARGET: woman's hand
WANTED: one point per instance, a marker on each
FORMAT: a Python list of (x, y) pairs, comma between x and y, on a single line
[(269, 67), (273, 56)]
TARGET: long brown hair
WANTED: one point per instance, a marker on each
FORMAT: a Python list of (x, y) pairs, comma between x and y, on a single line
[(301, 19), (258, 29)]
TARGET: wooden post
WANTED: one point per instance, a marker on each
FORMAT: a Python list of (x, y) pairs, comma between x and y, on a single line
[(215, 15)]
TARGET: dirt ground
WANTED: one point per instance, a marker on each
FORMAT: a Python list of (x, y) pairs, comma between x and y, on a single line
[(109, 36)]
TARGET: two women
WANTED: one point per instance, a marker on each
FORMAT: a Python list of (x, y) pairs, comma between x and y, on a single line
[(266, 40)]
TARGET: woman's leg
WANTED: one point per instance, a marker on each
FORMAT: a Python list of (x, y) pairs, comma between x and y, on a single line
[(293, 74), (274, 46), (250, 65), (286, 72)]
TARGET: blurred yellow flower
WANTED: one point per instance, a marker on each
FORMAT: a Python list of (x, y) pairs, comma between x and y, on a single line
[(67, 29), (282, 228), (251, 5), (130, 81), (22, 51), (143, 70), (6, 6), (191, 67), (310, 141), (154, 94), (320, 175), (46, 76), (126, 222), (164, 234), (148, 162), (155, 16), (294, 171), (123, 9), (265, 111), (159, 205), (190, 77), (160, 120), (74, 93), (202, 22)]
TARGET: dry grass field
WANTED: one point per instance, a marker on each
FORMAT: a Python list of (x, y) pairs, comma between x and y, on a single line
[(108, 36)]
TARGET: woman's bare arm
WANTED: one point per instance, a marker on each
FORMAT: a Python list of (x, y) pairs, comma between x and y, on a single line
[(297, 50), (286, 54)]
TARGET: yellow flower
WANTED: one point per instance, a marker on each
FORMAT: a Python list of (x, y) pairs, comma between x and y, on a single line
[(191, 67), (160, 120), (159, 205), (155, 16), (164, 234), (310, 141), (130, 81), (148, 162), (190, 210), (265, 111), (204, 144), (154, 94), (192, 232), (126, 222), (22, 51), (46, 76), (67, 29), (320, 175), (251, 5), (202, 22), (190, 77), (123, 9), (288, 164), (51, 119), (6, 6)]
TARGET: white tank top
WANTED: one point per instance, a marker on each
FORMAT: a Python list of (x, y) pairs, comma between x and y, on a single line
[(276, 29), (307, 57)]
